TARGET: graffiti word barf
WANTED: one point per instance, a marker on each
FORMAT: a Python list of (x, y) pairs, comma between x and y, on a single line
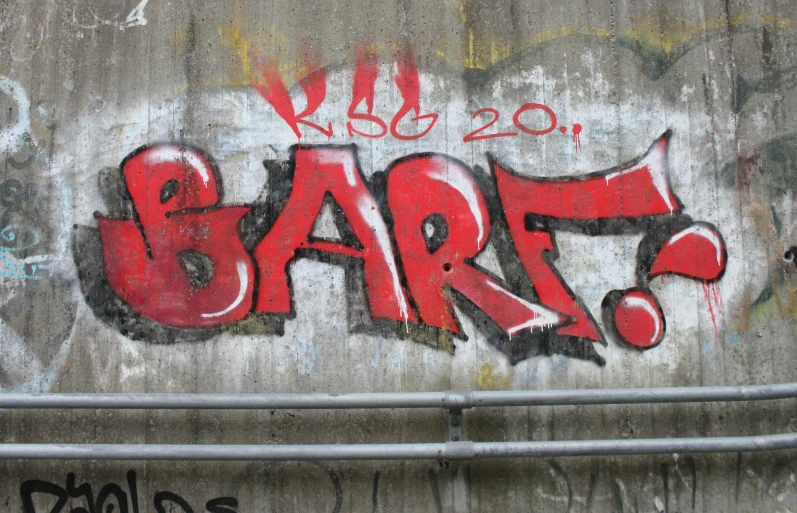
[(185, 261), (112, 493)]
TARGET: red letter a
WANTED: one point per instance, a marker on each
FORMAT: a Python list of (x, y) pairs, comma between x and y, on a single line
[(333, 171)]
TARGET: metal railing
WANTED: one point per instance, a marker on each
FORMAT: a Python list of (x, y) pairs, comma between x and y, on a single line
[(456, 448)]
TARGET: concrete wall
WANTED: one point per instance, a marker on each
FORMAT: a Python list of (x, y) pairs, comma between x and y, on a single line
[(358, 223)]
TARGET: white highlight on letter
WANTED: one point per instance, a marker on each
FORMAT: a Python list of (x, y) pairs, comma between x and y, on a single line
[(180, 156), (467, 189), (543, 317), (367, 206), (704, 232), (243, 278), (644, 304), (655, 162)]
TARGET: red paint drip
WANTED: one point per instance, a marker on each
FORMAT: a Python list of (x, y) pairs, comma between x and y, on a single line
[(577, 136), (408, 81), (315, 89), (272, 88), (365, 76), (563, 129), (709, 290), (363, 89)]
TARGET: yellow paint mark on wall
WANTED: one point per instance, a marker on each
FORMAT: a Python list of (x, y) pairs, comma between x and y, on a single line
[(485, 48), (777, 21), (665, 34), (180, 39), (654, 33), (240, 45), (251, 48), (488, 379)]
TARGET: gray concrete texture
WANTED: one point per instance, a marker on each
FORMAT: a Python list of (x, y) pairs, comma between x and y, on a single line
[(84, 308)]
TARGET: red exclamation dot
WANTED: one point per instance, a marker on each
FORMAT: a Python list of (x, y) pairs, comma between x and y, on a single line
[(697, 252), (638, 319)]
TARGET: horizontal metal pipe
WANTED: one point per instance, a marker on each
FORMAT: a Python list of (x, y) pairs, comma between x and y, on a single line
[(400, 400), (629, 447), (222, 452), (635, 395), (225, 401), (449, 450)]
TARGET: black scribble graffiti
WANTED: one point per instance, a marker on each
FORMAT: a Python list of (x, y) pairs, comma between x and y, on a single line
[(112, 496)]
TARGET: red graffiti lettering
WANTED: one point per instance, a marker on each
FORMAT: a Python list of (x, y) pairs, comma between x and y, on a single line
[(473, 137), (181, 260), (537, 251), (531, 246), (432, 268), (638, 319), (178, 265), (408, 81), (365, 75), (695, 252), (639, 189), (272, 88), (535, 106), (319, 172)]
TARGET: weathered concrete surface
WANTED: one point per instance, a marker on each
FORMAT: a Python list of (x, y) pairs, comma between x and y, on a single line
[(85, 83)]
